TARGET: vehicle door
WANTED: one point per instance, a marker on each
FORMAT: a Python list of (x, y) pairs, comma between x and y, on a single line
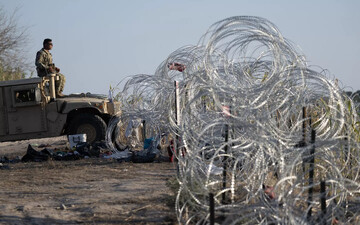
[(3, 123), (25, 112)]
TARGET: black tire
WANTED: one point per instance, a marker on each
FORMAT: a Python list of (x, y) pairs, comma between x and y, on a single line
[(92, 125)]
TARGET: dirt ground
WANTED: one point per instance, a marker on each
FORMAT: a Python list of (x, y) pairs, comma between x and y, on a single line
[(86, 191)]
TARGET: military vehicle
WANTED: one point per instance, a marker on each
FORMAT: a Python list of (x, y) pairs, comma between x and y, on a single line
[(29, 109)]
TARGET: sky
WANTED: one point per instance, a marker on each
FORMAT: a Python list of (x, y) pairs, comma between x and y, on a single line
[(97, 43)]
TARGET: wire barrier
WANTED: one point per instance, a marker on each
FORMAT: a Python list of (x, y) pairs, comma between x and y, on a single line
[(258, 129)]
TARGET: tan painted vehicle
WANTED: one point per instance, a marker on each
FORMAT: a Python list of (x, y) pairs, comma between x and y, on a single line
[(29, 109)]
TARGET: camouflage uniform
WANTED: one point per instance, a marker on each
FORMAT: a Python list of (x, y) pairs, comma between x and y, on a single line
[(43, 63)]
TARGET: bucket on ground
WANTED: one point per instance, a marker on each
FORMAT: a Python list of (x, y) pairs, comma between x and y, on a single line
[(76, 139)]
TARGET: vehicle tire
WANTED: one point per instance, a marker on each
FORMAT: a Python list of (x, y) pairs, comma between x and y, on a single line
[(115, 138), (92, 125), (117, 142)]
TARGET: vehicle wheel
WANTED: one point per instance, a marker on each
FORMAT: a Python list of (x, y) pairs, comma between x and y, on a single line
[(115, 133), (92, 125)]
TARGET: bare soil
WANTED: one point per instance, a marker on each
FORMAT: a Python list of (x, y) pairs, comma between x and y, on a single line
[(86, 191)]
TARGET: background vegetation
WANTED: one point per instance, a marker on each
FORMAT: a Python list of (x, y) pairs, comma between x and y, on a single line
[(13, 42)]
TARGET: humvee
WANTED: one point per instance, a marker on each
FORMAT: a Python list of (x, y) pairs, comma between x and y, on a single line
[(29, 109)]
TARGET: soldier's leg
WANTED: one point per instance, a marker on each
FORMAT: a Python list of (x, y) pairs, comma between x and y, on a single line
[(60, 84)]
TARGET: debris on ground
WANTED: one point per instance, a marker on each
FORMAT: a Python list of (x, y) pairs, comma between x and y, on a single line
[(63, 207), (4, 167), (5, 159), (34, 156), (82, 150), (150, 153)]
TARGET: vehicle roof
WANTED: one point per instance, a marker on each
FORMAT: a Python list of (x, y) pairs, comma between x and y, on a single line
[(20, 82)]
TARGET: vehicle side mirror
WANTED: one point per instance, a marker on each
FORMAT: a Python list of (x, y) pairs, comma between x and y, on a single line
[(37, 95)]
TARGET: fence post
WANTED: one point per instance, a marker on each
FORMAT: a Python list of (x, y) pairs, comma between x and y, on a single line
[(347, 152), (323, 201), (144, 129), (177, 121), (177, 103), (302, 143), (212, 209), (225, 163), (304, 126), (346, 147), (227, 112), (311, 172)]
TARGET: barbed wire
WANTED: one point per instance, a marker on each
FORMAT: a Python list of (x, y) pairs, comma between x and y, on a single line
[(248, 104)]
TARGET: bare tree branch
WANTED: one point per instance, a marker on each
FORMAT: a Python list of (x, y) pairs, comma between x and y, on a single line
[(13, 40)]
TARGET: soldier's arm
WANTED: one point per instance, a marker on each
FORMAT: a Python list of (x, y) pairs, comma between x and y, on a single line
[(39, 62)]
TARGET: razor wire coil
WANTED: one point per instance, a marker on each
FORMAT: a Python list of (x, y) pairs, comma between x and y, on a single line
[(245, 79)]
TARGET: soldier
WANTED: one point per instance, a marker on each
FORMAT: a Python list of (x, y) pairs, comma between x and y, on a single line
[(45, 66)]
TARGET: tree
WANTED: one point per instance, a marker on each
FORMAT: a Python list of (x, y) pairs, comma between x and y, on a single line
[(13, 40)]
